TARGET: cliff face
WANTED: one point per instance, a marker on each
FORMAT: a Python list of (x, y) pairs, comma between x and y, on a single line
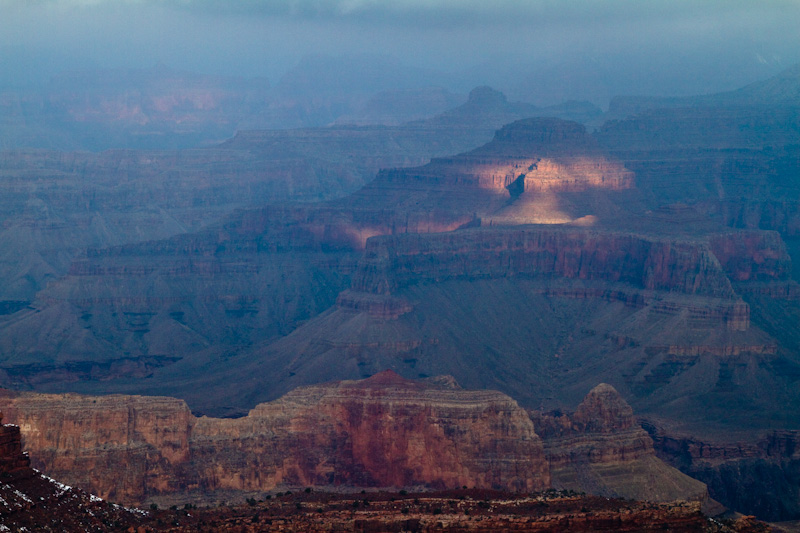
[(752, 255), (394, 262), (384, 431), (381, 432), (640, 265), (134, 440), (13, 462), (541, 154), (526, 174)]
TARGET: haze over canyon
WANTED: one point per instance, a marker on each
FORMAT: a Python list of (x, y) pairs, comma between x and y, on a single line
[(358, 290)]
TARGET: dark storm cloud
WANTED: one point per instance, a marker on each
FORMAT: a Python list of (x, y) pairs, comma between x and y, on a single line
[(447, 13), (538, 14), (443, 12)]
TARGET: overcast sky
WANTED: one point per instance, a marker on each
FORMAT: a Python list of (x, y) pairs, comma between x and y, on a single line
[(700, 44)]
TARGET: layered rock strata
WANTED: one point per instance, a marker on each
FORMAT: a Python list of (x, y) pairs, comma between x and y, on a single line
[(651, 270), (56, 203), (648, 263), (528, 155), (264, 271), (602, 448), (384, 431)]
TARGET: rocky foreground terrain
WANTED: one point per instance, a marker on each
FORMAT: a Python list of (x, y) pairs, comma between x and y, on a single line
[(455, 510)]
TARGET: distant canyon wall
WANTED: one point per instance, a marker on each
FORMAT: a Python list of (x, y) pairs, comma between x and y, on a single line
[(759, 477), (639, 270)]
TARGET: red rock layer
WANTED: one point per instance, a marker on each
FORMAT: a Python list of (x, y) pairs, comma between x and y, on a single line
[(752, 255), (30, 501), (384, 431)]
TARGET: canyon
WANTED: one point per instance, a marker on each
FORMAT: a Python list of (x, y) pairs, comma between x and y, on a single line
[(655, 252), (57, 204), (758, 477)]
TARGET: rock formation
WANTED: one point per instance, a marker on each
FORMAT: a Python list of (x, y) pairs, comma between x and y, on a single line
[(602, 448), (284, 284), (384, 431), (199, 288), (390, 264)]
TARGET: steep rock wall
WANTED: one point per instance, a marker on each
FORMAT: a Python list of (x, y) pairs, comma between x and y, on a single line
[(648, 263), (667, 274), (384, 431)]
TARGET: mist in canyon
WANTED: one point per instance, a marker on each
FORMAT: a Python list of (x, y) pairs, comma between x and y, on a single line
[(540, 51), (254, 246)]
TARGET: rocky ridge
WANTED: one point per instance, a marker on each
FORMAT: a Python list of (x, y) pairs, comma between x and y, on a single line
[(602, 448), (390, 263), (384, 431)]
